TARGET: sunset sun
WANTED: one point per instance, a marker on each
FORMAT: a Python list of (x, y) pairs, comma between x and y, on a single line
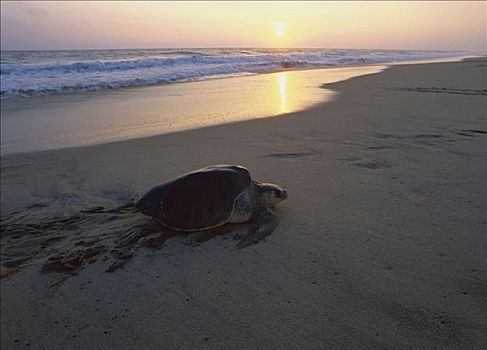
[(280, 29)]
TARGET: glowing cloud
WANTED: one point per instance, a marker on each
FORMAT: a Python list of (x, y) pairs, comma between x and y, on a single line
[(348, 24)]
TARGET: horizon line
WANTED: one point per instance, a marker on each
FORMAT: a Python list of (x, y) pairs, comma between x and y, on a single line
[(240, 47)]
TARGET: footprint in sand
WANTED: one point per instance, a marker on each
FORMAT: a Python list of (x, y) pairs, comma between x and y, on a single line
[(369, 164), (373, 165)]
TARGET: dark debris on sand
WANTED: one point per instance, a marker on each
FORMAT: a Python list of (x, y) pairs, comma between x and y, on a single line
[(65, 245), (72, 261)]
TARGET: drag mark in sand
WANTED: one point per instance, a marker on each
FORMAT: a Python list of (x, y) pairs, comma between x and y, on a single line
[(408, 137), (373, 165), (66, 245), (471, 132), (446, 91), (430, 139), (396, 142), (294, 154)]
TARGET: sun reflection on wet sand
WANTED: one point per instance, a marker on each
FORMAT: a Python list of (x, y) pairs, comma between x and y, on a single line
[(90, 118), (282, 91)]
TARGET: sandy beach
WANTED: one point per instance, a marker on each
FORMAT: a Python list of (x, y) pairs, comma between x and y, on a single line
[(381, 244)]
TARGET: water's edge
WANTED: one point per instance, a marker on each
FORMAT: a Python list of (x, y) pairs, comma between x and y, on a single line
[(38, 73), (122, 94)]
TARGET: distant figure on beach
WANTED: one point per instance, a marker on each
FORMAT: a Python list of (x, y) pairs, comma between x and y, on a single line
[(213, 196)]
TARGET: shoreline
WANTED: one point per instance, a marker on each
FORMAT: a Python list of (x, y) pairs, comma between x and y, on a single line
[(86, 96), (294, 69), (380, 244), (65, 121)]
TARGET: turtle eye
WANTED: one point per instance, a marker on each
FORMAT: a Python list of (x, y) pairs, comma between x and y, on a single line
[(283, 194)]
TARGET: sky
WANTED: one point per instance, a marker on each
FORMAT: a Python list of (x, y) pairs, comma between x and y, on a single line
[(436, 25)]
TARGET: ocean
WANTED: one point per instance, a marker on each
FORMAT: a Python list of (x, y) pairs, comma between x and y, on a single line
[(32, 73)]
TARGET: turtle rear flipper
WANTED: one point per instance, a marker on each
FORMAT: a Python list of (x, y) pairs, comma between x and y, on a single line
[(137, 231), (263, 223)]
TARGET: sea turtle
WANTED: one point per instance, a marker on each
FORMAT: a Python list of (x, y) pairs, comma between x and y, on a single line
[(213, 196)]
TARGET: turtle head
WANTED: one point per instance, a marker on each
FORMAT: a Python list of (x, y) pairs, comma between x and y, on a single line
[(271, 194)]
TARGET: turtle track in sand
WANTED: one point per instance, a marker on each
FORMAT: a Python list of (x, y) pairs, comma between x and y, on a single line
[(65, 245)]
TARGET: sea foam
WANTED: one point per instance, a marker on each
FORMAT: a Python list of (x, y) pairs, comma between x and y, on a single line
[(32, 73)]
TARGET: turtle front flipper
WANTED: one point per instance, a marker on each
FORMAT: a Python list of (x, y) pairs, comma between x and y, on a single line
[(263, 223)]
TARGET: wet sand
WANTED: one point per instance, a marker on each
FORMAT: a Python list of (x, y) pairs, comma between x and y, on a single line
[(381, 244), (62, 121)]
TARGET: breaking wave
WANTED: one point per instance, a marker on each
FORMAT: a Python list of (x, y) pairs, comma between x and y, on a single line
[(32, 73)]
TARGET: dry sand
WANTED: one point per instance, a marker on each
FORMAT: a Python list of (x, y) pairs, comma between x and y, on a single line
[(381, 244)]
